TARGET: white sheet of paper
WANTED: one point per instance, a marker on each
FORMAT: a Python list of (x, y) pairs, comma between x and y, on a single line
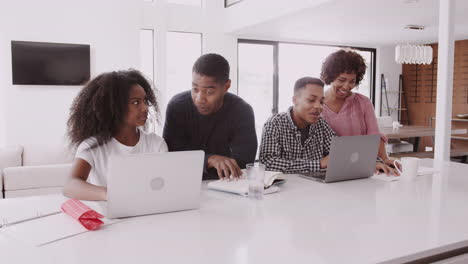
[(45, 230), (421, 171), (48, 229), (240, 187), (16, 209)]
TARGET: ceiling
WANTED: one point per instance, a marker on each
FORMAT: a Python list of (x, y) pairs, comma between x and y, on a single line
[(362, 22)]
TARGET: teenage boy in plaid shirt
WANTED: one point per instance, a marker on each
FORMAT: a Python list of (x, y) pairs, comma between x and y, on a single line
[(298, 140)]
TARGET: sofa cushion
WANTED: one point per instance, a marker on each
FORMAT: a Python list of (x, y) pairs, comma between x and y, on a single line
[(36, 155), (9, 157), (33, 192), (30, 177)]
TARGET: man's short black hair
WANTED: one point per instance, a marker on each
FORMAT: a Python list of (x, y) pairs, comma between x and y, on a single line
[(304, 81), (212, 65)]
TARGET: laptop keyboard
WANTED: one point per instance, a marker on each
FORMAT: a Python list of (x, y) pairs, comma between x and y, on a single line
[(316, 174)]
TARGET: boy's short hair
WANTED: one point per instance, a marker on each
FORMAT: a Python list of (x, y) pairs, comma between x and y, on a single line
[(304, 81)]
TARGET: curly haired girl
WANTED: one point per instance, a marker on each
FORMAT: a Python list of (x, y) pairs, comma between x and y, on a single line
[(105, 120)]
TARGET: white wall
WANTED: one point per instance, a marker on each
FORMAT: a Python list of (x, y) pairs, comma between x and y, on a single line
[(37, 115), (252, 12), (3, 79), (386, 64)]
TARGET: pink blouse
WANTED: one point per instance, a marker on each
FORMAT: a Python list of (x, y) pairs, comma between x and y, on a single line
[(356, 117)]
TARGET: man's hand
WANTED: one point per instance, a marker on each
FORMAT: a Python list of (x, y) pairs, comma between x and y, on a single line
[(225, 166), (324, 163)]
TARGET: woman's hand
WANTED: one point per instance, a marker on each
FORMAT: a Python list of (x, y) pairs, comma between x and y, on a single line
[(391, 163), (384, 168)]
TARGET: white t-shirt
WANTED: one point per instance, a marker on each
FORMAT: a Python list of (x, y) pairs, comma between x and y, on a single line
[(98, 157)]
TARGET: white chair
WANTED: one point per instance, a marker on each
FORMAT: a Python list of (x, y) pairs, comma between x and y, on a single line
[(384, 121), (394, 145)]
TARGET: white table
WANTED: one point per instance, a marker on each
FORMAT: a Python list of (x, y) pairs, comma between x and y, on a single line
[(362, 221)]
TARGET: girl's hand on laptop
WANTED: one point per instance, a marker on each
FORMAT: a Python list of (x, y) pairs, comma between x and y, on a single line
[(104, 194), (225, 166)]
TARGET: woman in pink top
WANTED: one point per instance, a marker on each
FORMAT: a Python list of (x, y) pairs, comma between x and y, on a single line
[(348, 113)]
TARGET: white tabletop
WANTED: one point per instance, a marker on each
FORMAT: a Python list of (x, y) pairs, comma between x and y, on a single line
[(361, 221)]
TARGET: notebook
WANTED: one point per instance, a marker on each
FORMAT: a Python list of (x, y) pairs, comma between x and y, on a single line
[(241, 186)]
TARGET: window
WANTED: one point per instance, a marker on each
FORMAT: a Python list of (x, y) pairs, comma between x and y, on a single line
[(147, 53), (269, 69), (256, 80), (296, 61), (366, 87), (183, 49)]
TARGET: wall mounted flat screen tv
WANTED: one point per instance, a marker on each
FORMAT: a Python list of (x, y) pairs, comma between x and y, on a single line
[(40, 63)]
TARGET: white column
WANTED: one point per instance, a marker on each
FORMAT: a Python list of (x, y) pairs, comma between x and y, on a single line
[(444, 81)]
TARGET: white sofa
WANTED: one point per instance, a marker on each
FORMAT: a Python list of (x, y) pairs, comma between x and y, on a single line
[(9, 157), (34, 170)]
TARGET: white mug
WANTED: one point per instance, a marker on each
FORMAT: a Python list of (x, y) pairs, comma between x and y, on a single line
[(396, 125), (409, 168)]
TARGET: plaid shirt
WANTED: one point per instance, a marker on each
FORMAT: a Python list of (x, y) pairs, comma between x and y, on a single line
[(282, 150)]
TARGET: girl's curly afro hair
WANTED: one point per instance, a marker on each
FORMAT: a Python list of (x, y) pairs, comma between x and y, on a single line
[(102, 104)]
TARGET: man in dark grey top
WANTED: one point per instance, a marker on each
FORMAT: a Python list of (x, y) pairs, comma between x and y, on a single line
[(209, 118)]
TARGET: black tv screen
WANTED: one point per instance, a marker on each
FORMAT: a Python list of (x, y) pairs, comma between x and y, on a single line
[(40, 63)]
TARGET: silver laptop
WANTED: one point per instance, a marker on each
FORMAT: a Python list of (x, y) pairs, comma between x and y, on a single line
[(141, 184), (350, 158)]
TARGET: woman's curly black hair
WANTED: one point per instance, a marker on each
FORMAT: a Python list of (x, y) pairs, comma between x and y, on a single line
[(343, 61), (102, 104)]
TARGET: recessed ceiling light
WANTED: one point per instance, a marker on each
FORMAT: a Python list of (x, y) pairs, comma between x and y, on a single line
[(410, 1), (415, 27)]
